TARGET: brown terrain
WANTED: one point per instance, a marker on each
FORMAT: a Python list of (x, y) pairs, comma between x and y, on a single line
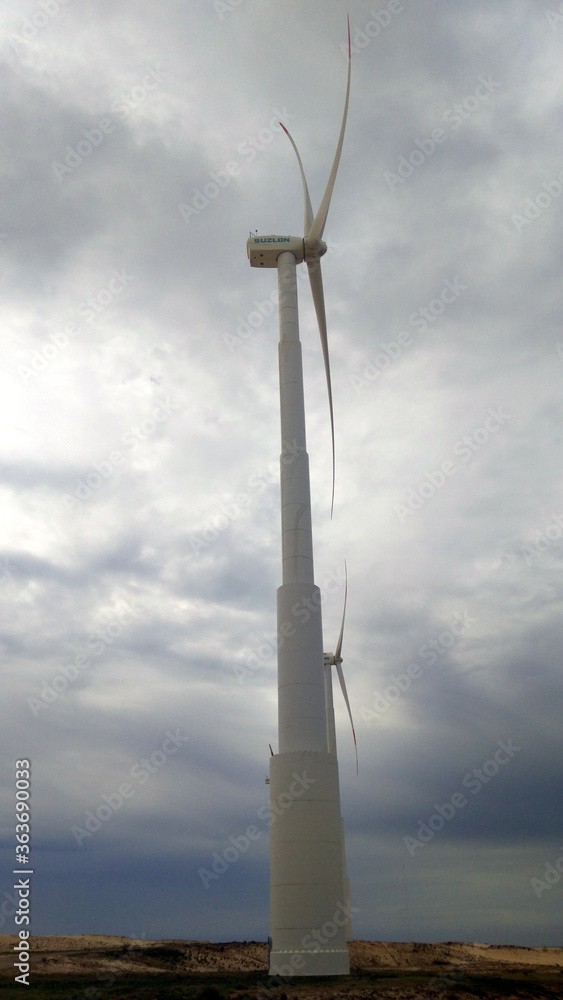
[(96, 967)]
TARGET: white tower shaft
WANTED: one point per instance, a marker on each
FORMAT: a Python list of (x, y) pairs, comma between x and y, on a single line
[(309, 910), (301, 705)]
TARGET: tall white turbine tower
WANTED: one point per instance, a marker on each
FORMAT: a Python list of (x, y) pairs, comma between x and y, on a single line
[(309, 898)]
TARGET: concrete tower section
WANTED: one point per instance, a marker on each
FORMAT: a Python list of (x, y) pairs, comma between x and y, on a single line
[(309, 909)]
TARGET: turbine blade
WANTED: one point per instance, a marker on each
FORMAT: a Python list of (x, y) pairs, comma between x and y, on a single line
[(308, 207), (338, 652), (345, 693), (316, 281), (317, 229)]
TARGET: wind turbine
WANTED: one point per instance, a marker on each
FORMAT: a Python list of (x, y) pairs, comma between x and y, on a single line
[(309, 897)]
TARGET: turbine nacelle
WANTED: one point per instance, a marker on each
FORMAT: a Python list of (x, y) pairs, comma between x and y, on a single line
[(263, 251)]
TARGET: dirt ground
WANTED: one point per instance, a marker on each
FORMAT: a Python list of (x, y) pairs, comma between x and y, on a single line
[(96, 967)]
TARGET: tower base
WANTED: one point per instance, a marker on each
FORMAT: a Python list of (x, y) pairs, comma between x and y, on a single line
[(309, 963), (309, 908)]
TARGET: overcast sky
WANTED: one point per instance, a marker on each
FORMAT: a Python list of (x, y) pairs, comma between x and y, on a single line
[(139, 528)]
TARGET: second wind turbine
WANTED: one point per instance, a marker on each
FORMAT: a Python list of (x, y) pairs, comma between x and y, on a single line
[(309, 894)]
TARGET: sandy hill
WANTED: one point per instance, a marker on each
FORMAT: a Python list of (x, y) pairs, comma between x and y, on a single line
[(398, 971), (81, 952)]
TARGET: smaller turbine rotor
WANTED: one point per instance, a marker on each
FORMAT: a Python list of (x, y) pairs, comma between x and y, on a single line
[(335, 660)]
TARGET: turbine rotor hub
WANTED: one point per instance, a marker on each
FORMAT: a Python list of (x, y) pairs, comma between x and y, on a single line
[(314, 251), (330, 660)]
